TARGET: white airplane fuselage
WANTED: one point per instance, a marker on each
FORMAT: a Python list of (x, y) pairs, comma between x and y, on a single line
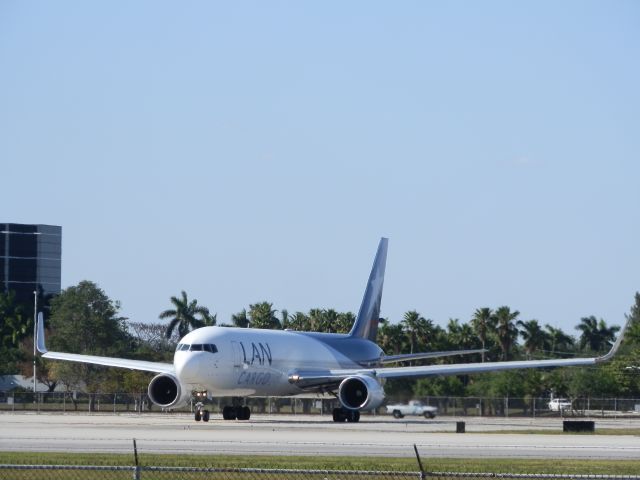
[(250, 362)]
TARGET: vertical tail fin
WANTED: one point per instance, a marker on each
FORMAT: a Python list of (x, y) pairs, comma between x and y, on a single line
[(366, 324)]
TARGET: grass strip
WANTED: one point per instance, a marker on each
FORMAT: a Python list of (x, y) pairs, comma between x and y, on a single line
[(489, 465)]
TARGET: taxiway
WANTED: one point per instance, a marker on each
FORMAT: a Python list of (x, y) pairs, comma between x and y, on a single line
[(310, 435)]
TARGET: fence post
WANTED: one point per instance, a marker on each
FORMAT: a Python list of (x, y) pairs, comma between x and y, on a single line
[(136, 470), (415, 449)]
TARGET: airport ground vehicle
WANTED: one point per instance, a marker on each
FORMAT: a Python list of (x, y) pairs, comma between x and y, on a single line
[(559, 404), (415, 407)]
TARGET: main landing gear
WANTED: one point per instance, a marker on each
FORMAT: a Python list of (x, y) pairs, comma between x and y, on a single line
[(236, 412), (345, 415)]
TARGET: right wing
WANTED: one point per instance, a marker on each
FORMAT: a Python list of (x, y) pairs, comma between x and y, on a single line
[(156, 367)]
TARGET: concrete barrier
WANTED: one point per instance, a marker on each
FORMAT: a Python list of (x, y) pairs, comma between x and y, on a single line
[(578, 426)]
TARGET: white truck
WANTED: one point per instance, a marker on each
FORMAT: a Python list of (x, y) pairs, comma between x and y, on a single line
[(559, 404), (415, 407)]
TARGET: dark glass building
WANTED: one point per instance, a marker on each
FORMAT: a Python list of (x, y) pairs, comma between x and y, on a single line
[(30, 259)]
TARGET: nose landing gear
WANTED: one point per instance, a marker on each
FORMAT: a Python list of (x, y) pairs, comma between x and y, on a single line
[(200, 412)]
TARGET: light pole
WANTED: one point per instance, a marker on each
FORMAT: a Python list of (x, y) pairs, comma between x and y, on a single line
[(35, 332)]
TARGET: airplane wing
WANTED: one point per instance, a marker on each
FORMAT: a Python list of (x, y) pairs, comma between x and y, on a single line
[(421, 356), (310, 379), (156, 367), (466, 368)]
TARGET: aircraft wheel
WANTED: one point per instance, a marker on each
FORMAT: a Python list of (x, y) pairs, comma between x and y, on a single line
[(243, 413), (344, 415), (229, 413), (205, 416), (335, 415), (198, 415), (352, 416)]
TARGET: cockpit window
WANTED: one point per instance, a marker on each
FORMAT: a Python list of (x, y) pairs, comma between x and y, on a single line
[(197, 347)]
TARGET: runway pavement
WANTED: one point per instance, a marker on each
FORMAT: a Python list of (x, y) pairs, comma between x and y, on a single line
[(310, 435)]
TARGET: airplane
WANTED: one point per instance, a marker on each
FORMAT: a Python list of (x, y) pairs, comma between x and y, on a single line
[(244, 362)]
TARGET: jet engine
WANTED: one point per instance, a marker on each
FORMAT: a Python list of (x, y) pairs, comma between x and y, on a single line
[(360, 393), (167, 392)]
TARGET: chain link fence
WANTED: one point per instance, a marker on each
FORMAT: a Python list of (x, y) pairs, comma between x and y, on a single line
[(70, 472), (452, 406)]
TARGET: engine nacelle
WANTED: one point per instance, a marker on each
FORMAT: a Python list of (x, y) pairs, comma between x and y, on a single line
[(167, 392), (360, 393)]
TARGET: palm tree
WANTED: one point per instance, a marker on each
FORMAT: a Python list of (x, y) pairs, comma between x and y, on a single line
[(328, 321), (209, 320), (262, 315), (315, 319), (284, 318), (298, 321), (595, 334), (391, 337), (506, 331), (535, 338), (345, 322), (183, 316), (461, 336), (558, 340), (412, 324), (240, 319), (482, 322)]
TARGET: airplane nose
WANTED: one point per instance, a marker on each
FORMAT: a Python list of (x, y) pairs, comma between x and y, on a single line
[(188, 368)]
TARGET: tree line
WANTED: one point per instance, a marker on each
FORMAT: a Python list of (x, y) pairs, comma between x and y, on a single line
[(83, 319)]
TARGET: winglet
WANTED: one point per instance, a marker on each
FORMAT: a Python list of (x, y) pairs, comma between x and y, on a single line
[(608, 356), (366, 324), (40, 335)]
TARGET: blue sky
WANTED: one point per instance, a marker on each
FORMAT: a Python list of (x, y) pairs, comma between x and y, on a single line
[(249, 151)]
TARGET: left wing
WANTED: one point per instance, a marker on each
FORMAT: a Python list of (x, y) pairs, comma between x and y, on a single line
[(421, 356), (142, 365), (317, 379)]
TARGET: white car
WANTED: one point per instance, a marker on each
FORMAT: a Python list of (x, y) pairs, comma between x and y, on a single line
[(559, 404)]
